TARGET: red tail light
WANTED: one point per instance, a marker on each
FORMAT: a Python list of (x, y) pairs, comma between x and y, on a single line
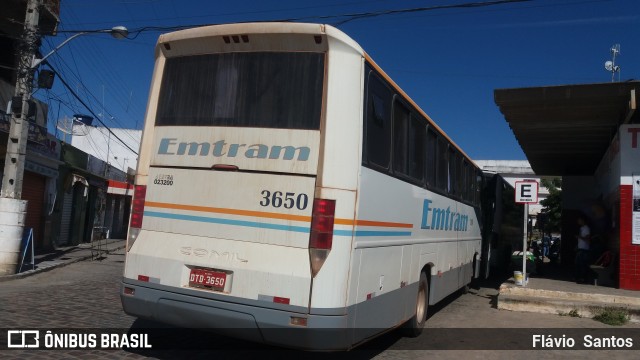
[(321, 237), (137, 209), (322, 224)]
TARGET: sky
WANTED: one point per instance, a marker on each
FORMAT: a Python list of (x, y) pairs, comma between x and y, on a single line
[(449, 61)]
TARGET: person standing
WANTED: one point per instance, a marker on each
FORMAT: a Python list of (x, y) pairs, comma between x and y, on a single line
[(583, 256), (546, 244)]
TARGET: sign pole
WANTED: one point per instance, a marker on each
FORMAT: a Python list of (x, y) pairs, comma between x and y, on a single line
[(13, 208), (526, 191), (524, 244)]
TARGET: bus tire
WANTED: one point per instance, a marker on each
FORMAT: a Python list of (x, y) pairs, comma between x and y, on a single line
[(465, 289), (415, 325)]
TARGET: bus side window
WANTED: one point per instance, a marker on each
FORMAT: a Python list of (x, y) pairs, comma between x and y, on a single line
[(466, 185), (432, 146), (416, 148), (460, 176), (442, 172), (471, 183), (478, 183), (400, 137), (408, 143), (377, 110), (451, 186), (378, 122)]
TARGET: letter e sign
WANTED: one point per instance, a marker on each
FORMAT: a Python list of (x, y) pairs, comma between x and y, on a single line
[(526, 192)]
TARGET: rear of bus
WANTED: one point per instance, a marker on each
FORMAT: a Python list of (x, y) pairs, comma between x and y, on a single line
[(231, 222)]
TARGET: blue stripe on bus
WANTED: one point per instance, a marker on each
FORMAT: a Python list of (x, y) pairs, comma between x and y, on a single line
[(253, 224), (300, 229), (370, 233)]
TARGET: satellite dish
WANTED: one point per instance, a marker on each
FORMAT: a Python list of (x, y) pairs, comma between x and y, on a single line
[(608, 65)]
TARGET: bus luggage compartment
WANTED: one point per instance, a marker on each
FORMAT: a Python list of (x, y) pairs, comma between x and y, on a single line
[(243, 234)]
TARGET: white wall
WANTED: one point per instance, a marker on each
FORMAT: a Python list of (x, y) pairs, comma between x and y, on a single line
[(97, 140)]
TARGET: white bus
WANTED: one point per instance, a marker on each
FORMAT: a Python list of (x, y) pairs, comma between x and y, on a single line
[(286, 182)]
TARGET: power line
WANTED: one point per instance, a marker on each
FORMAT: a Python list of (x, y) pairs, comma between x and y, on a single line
[(244, 12), (104, 70), (113, 80), (135, 32), (91, 111), (365, 15), (88, 95), (350, 17), (93, 59)]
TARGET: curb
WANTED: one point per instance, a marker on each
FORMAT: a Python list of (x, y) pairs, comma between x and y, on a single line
[(560, 302), (510, 290), (39, 270)]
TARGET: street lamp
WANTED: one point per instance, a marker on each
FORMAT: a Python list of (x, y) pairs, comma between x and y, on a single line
[(12, 207), (118, 32)]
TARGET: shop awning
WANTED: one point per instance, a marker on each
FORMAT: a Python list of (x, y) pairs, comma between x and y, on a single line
[(566, 130)]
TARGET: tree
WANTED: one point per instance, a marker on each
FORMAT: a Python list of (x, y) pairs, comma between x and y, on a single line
[(551, 214)]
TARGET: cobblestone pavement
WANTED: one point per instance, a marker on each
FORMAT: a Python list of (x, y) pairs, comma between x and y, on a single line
[(86, 295)]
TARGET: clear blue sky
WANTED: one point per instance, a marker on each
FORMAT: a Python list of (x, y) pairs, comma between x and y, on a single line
[(449, 61)]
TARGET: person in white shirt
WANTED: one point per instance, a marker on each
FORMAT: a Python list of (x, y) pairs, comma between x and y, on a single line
[(583, 257)]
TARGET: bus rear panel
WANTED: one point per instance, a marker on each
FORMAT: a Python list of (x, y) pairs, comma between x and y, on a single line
[(226, 230), (270, 204)]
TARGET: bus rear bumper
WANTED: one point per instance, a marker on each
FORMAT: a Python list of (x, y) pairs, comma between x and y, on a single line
[(248, 322)]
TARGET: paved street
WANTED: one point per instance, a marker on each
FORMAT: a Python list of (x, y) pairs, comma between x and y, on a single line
[(85, 295)]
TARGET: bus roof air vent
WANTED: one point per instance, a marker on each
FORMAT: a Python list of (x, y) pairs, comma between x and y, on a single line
[(236, 39)]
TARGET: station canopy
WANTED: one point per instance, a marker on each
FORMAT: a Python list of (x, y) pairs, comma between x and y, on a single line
[(566, 130)]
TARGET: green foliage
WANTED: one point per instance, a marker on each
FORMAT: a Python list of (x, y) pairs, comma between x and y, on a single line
[(612, 316), (552, 206)]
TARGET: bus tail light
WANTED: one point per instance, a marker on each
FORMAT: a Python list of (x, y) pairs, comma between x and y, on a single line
[(137, 211), (321, 237), (129, 291), (299, 321)]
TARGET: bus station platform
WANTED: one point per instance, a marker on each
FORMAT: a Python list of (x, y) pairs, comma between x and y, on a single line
[(63, 256), (554, 292)]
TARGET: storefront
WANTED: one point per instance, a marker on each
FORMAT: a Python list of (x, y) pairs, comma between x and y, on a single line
[(93, 199), (119, 196), (81, 197), (39, 182)]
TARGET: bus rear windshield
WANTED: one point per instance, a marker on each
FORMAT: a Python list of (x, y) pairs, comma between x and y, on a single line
[(268, 90)]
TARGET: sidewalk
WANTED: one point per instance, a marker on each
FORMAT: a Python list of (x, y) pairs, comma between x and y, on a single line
[(68, 255), (555, 293)]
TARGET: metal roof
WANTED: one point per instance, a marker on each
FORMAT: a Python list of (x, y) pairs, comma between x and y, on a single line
[(566, 130)]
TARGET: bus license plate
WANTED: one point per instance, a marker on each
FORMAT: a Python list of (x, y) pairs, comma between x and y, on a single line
[(207, 279)]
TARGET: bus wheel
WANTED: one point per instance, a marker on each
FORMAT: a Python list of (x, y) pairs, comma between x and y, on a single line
[(465, 289), (414, 326)]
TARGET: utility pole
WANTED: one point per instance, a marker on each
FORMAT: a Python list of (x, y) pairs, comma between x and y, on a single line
[(12, 208)]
